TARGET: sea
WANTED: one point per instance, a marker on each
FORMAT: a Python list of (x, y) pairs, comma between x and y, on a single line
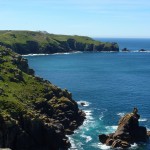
[(110, 84)]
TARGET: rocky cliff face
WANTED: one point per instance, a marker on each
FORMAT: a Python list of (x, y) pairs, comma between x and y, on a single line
[(34, 114), (27, 42), (127, 133)]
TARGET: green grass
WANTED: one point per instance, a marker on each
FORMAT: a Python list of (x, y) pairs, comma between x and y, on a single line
[(25, 42), (19, 96)]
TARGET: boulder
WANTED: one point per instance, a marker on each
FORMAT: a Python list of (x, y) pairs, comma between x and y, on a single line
[(127, 133)]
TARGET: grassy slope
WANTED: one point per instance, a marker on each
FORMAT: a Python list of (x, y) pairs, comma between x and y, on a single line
[(11, 37), (31, 107), (20, 91), (42, 40)]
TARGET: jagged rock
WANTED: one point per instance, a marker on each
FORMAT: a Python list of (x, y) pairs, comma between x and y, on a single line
[(109, 141), (127, 133), (34, 114), (103, 138)]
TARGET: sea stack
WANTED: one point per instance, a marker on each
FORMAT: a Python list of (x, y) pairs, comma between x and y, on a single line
[(127, 133)]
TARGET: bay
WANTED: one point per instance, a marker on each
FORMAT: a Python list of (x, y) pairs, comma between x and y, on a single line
[(110, 84)]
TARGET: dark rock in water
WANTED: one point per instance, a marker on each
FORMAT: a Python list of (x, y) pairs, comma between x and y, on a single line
[(82, 103), (142, 50), (103, 138), (125, 50), (127, 133)]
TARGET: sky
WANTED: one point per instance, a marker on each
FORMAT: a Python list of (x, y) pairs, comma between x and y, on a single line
[(95, 18)]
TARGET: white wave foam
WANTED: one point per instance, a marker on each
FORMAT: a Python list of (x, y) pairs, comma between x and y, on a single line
[(67, 53), (134, 146), (103, 146), (89, 121), (73, 146), (87, 125), (101, 116), (121, 114), (87, 138), (85, 103), (102, 113), (142, 119), (89, 114), (111, 129), (35, 54)]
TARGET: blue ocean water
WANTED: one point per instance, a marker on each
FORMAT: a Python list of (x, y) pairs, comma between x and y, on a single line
[(129, 43), (110, 84)]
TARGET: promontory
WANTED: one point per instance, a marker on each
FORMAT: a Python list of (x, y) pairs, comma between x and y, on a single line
[(29, 42), (34, 114)]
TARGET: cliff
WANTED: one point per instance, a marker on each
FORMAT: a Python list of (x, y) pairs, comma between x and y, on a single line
[(27, 42), (34, 114)]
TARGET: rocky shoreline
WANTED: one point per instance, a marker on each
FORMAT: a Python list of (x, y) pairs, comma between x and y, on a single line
[(34, 114), (127, 133), (31, 42)]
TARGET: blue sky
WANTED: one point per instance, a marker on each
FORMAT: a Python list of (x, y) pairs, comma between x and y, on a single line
[(95, 18)]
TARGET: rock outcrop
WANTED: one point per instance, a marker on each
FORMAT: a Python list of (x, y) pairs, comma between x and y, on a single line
[(30, 42), (127, 133), (34, 114)]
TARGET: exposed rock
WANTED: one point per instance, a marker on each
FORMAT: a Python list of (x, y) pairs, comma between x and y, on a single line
[(103, 138), (125, 50), (142, 50), (52, 43), (34, 114), (82, 104), (127, 133)]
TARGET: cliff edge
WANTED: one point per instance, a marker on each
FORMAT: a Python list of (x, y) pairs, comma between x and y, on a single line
[(34, 114), (29, 42)]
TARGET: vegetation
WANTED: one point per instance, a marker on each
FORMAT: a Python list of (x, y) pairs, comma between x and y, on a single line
[(31, 106), (25, 42)]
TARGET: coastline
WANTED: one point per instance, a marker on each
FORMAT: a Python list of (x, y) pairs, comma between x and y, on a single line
[(78, 52)]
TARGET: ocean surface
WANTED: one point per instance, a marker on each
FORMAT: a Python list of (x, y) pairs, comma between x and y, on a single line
[(110, 84)]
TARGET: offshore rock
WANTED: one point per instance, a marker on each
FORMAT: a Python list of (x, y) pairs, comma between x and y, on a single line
[(127, 133)]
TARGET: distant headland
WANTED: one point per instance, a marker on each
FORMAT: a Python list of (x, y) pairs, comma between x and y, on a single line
[(41, 42)]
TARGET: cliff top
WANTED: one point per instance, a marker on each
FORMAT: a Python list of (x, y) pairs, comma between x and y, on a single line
[(26, 42)]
